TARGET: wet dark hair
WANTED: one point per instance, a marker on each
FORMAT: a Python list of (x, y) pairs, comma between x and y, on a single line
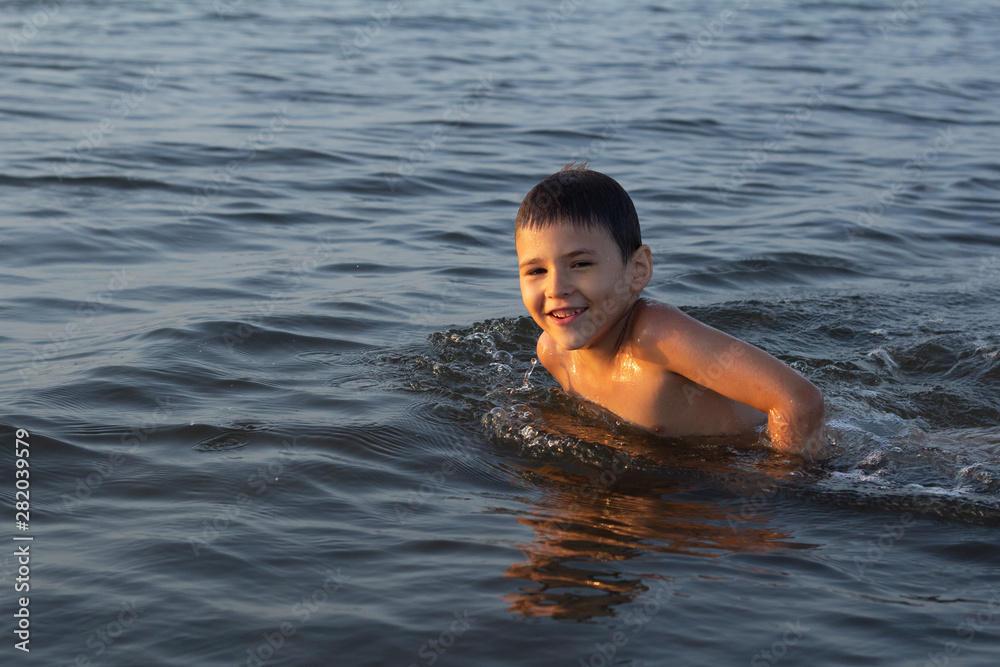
[(583, 198)]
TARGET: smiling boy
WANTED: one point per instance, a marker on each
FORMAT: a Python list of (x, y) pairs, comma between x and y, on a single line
[(582, 267)]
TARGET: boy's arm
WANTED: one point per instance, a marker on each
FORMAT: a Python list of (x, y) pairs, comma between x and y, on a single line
[(740, 371)]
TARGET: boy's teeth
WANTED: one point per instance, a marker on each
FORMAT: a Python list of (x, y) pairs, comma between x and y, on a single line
[(563, 314)]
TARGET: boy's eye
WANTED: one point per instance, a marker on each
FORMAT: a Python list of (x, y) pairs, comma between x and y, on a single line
[(535, 272), (582, 263)]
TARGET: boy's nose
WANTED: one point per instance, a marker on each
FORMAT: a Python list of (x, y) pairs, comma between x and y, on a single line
[(558, 285)]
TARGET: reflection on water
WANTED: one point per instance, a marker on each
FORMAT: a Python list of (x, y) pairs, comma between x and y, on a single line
[(588, 519)]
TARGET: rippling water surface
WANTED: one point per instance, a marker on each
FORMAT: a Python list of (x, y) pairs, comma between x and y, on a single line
[(260, 318)]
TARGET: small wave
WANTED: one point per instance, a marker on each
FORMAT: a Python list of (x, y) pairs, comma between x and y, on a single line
[(882, 455), (223, 442)]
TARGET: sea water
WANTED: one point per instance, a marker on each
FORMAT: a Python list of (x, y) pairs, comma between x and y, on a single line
[(264, 349)]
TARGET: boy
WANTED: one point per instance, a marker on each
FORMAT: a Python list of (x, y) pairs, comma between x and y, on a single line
[(582, 266)]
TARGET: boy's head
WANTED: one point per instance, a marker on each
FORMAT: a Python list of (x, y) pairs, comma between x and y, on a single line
[(581, 262), (583, 198)]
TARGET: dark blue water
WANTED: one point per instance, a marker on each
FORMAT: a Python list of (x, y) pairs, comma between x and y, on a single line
[(261, 326)]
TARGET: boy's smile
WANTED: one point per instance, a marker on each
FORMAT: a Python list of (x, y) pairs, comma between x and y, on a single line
[(566, 315), (573, 282)]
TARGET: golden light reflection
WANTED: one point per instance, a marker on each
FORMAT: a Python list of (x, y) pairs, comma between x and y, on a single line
[(589, 518)]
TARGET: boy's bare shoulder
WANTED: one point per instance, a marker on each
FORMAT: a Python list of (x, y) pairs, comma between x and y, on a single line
[(655, 322), (549, 354), (661, 332), (653, 310)]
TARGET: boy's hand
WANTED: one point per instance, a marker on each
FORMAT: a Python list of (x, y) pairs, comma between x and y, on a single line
[(802, 434)]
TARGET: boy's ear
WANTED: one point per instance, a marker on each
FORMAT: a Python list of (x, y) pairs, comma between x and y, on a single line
[(642, 268)]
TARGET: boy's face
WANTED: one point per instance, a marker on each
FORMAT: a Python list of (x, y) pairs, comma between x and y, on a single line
[(574, 283)]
